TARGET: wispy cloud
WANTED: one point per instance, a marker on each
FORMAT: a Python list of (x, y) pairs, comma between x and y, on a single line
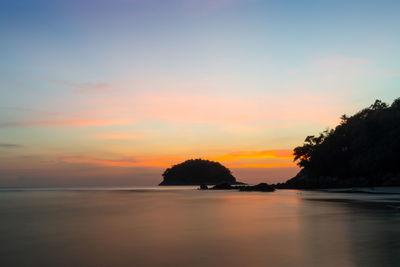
[(6, 145), (133, 135), (214, 102), (226, 110), (392, 73), (339, 61), (122, 162), (208, 6), (86, 87), (56, 123)]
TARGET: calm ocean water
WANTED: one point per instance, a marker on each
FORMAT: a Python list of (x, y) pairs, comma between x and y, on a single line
[(186, 227)]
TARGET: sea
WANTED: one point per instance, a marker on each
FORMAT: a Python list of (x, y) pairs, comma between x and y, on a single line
[(183, 226)]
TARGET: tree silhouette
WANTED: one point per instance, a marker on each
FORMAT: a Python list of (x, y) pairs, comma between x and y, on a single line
[(366, 144)]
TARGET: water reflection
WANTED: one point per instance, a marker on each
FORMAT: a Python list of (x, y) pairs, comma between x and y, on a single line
[(195, 228), (354, 233)]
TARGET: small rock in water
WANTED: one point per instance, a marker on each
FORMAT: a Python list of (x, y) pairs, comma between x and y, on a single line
[(262, 187), (203, 187), (223, 186)]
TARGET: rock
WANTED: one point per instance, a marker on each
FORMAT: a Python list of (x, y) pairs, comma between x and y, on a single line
[(203, 187), (223, 186), (262, 187)]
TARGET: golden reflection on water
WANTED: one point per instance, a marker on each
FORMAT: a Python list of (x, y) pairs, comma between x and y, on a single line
[(191, 228)]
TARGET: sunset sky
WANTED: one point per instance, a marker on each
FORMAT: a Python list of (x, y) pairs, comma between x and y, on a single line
[(111, 92)]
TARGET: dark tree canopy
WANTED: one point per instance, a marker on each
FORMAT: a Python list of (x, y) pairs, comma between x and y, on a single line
[(366, 144), (197, 172)]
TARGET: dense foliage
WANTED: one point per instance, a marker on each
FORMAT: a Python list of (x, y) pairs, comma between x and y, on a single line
[(366, 144), (196, 172)]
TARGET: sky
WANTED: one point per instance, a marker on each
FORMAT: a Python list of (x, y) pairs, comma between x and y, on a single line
[(112, 92)]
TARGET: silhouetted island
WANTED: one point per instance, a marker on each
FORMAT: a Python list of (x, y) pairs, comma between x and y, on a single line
[(197, 172), (362, 151)]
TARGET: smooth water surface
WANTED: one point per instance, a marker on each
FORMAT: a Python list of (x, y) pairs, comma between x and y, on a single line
[(187, 227)]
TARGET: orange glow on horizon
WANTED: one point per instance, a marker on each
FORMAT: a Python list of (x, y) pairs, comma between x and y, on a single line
[(263, 154), (263, 165), (231, 160)]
